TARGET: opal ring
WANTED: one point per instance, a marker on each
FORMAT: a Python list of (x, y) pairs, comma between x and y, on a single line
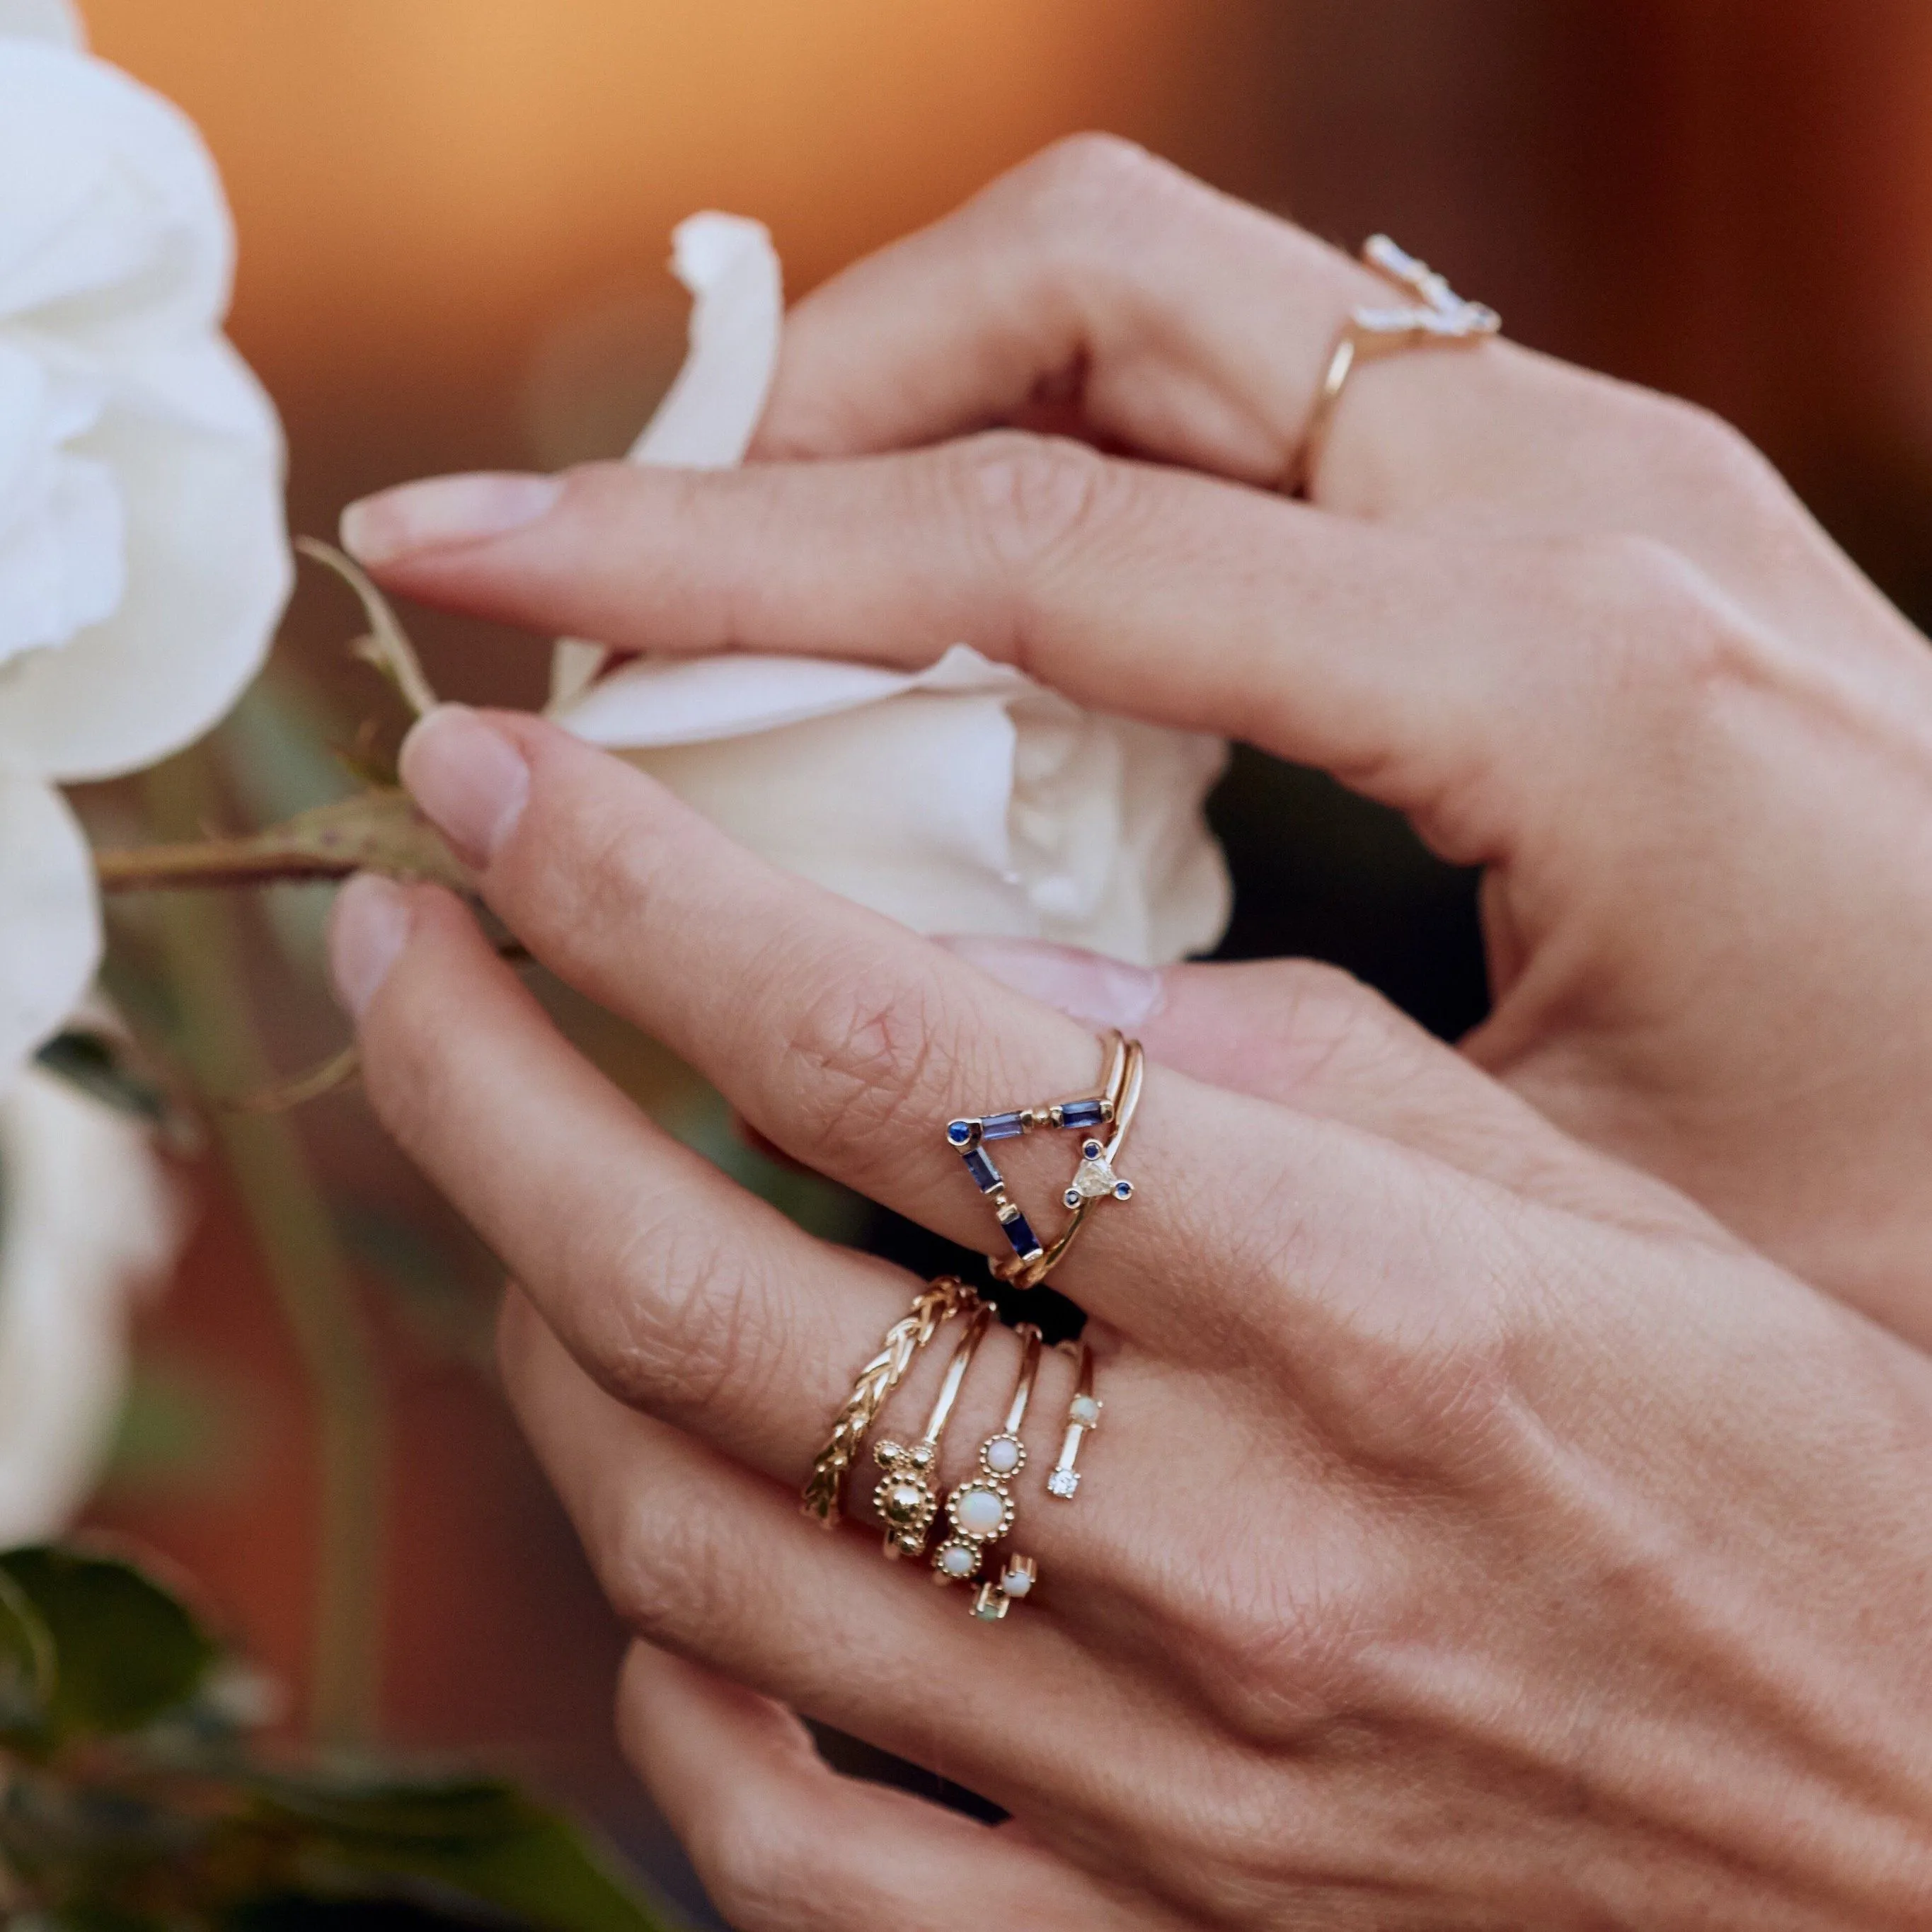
[(981, 1509), (1083, 1417), (1435, 315), (937, 1303), (1101, 1119), (907, 1496)]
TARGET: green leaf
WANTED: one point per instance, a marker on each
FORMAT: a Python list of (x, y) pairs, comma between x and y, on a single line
[(125, 1651), (26, 1660), (480, 1838), (99, 1067)]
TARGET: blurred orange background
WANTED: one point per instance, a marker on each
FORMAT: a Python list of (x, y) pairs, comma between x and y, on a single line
[(453, 218)]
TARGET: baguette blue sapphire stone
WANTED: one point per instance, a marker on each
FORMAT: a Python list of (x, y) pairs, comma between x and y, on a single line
[(985, 1175), (1001, 1126), (1026, 1243), (1081, 1114)]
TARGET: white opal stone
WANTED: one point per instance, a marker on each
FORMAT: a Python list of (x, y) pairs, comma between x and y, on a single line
[(1002, 1455), (979, 1512), (1084, 1410), (1016, 1582), (956, 1560)]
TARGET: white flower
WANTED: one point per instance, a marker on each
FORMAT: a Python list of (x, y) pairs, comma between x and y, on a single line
[(88, 1217), (142, 565), (962, 799), (143, 561)]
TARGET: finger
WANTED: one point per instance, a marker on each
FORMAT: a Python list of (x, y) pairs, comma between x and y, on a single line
[(707, 1560), (680, 1291), (850, 1042), (1311, 1036), (782, 1841), (1189, 326), (1405, 663)]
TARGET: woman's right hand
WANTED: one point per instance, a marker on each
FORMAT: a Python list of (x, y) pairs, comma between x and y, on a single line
[(1581, 634)]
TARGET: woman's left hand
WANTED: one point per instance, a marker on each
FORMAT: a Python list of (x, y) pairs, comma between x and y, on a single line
[(1475, 1535)]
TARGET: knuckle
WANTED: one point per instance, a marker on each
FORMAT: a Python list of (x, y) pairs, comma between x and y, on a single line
[(683, 1330), (1659, 627), (662, 1566), (1699, 453), (1027, 498), (875, 1057), (1071, 178), (767, 1869)]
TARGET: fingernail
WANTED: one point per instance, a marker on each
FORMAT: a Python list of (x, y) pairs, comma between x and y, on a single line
[(1088, 985), (443, 511), (368, 927), (469, 777)]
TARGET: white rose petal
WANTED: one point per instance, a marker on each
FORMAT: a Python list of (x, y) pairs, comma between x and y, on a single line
[(89, 1216), (207, 573), (708, 415), (52, 20), (964, 798), (50, 919)]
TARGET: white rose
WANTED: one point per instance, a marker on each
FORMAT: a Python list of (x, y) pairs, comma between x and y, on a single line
[(962, 799), (143, 560), (89, 1217)]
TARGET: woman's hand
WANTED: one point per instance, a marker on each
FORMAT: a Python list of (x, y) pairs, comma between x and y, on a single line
[(1475, 1534), (1581, 634)]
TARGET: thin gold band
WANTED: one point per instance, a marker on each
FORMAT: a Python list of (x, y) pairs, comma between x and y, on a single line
[(1083, 1416), (937, 1303), (1438, 316)]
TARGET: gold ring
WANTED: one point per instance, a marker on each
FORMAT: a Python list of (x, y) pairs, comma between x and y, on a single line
[(1083, 1416), (1438, 315), (906, 1497), (1102, 1119), (938, 1302), (981, 1509)]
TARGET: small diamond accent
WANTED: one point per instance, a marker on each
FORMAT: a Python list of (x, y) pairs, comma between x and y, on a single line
[(1063, 1483)]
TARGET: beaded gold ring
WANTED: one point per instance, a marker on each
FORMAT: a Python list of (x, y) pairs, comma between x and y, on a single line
[(907, 1497), (981, 1509)]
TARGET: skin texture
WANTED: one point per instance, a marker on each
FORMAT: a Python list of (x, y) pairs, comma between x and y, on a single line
[(1479, 1533)]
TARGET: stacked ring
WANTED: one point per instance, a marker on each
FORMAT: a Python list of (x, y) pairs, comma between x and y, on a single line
[(906, 1496), (1103, 1118), (937, 1303)]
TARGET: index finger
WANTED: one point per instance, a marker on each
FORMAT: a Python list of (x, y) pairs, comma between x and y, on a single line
[(1190, 326)]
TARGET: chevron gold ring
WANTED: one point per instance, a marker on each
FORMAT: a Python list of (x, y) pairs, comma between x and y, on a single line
[(1101, 1119), (1435, 314)]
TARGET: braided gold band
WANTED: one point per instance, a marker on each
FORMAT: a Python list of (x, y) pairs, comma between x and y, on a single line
[(937, 1303)]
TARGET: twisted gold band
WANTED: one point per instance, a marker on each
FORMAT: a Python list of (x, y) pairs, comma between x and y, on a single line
[(942, 1299)]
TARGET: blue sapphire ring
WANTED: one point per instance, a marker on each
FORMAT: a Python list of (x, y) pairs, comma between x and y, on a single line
[(1101, 1120)]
